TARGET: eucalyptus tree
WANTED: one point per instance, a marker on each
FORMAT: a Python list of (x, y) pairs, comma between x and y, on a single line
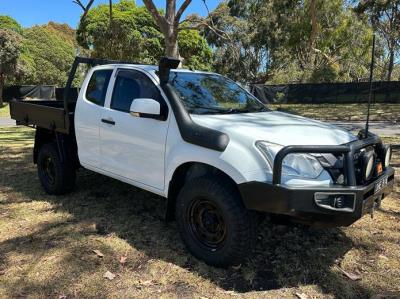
[(169, 23), (10, 48), (384, 16)]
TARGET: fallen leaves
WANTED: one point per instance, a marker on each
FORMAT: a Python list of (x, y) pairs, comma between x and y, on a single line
[(98, 253), (122, 260), (109, 275), (302, 296), (352, 276), (383, 257), (146, 282)]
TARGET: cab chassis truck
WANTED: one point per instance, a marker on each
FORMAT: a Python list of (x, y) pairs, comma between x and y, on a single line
[(216, 153)]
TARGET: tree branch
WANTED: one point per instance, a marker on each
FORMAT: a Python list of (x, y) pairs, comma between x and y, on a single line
[(154, 12), (182, 10), (80, 4), (84, 8)]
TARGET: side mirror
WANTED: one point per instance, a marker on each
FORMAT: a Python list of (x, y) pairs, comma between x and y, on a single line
[(145, 107)]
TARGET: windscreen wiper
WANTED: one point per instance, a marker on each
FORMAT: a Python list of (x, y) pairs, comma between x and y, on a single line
[(236, 110), (215, 109)]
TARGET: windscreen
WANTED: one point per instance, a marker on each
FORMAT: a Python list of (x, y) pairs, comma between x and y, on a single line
[(203, 93)]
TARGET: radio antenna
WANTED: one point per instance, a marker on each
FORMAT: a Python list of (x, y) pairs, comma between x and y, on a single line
[(371, 86)]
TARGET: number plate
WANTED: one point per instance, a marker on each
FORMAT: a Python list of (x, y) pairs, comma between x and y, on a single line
[(382, 183)]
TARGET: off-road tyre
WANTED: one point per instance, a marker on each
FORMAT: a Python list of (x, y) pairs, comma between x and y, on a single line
[(221, 199), (56, 177)]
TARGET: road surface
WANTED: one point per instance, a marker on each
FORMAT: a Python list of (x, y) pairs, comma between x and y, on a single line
[(6, 122), (379, 128)]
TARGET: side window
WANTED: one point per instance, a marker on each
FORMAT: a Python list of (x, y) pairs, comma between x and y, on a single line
[(97, 88), (131, 85)]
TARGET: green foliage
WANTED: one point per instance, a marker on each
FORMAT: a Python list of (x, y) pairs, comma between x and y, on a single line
[(10, 47), (275, 40), (6, 22), (384, 17), (46, 57), (235, 53), (196, 50), (132, 35)]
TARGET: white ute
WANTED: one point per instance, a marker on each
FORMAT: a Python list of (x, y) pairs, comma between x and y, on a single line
[(217, 154)]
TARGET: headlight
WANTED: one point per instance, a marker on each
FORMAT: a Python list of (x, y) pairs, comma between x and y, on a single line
[(367, 162), (297, 165), (387, 151)]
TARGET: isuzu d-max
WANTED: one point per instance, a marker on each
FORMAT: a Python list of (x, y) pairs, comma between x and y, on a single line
[(216, 153)]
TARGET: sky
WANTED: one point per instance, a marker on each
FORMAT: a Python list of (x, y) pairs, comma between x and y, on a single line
[(37, 12)]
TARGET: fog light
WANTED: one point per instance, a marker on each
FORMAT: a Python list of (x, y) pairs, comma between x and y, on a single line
[(339, 202), (343, 202)]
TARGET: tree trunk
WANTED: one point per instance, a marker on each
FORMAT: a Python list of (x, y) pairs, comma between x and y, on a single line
[(1, 89), (171, 31), (171, 43), (314, 25), (169, 24), (111, 10), (391, 64)]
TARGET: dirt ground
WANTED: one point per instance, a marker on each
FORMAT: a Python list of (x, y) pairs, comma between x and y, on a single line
[(62, 247)]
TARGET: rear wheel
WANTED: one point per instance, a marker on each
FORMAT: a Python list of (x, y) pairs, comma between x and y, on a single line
[(55, 177), (213, 223)]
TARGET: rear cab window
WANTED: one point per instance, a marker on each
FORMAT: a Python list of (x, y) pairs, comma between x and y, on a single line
[(97, 87)]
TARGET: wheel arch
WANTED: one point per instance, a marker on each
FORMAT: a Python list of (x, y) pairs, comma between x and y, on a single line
[(186, 172), (42, 136), (66, 145)]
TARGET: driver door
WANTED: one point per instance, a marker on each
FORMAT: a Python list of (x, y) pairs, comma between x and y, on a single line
[(133, 148)]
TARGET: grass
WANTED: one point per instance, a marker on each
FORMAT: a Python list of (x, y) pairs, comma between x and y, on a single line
[(47, 243), (5, 110), (343, 112)]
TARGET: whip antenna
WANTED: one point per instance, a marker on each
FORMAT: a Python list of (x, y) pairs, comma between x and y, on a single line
[(371, 85)]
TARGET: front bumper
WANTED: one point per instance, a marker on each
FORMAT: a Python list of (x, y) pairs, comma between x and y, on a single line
[(300, 202)]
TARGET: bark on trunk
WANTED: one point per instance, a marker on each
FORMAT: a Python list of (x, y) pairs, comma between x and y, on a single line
[(1, 88), (171, 30), (313, 36), (391, 65), (169, 24), (171, 44)]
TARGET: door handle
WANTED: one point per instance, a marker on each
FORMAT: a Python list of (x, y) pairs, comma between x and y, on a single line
[(108, 121)]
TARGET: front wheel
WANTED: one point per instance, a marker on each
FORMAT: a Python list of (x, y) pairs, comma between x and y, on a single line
[(55, 177), (213, 223)]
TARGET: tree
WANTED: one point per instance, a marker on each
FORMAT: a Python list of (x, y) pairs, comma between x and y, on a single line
[(195, 50), (169, 24), (289, 41), (231, 36), (133, 35), (7, 22), (85, 8), (384, 16), (10, 47), (47, 54)]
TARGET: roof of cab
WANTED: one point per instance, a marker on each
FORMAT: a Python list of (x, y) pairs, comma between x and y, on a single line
[(148, 68)]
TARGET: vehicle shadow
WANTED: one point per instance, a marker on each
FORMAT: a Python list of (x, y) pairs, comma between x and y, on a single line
[(285, 256)]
